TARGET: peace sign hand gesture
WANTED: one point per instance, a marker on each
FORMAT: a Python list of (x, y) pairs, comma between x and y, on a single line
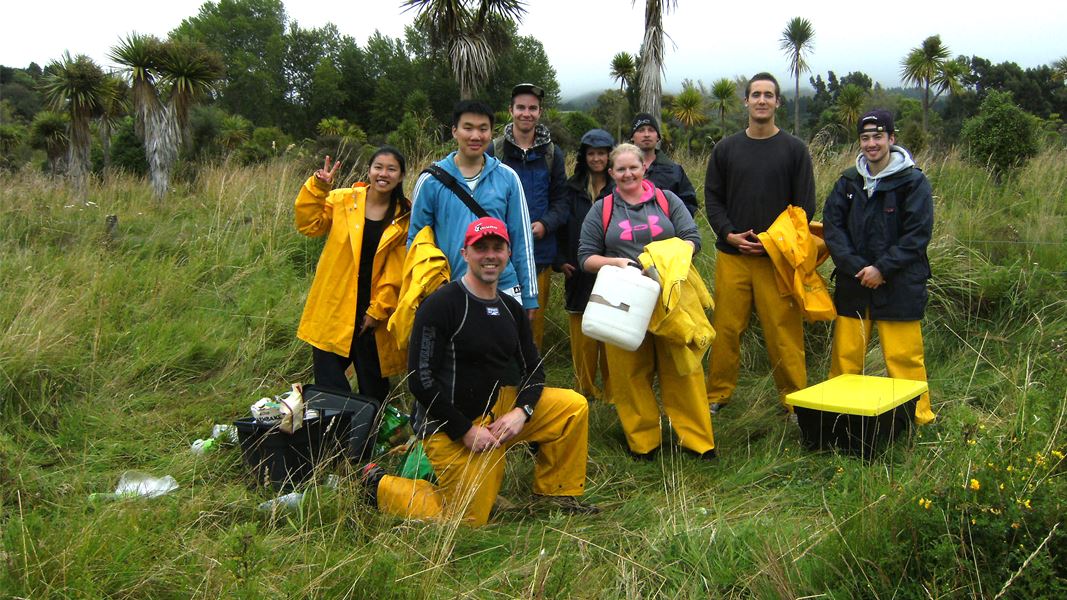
[(326, 174)]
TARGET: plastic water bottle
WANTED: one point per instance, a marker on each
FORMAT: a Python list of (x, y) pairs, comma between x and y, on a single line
[(392, 420), (204, 446), (290, 501), (225, 434), (134, 484)]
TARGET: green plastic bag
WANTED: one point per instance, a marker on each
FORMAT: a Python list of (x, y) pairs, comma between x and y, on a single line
[(417, 465)]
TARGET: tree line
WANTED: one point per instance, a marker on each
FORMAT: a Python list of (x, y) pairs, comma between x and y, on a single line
[(944, 93), (240, 80)]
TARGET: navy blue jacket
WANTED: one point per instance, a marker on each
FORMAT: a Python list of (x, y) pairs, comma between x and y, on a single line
[(578, 286), (669, 175), (543, 190), (889, 230)]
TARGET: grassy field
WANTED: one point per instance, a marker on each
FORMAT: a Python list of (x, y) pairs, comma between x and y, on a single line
[(120, 347)]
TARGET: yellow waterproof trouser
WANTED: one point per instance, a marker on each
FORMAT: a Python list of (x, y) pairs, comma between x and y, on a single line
[(469, 482), (684, 398), (902, 346), (741, 281), (544, 289), (588, 354)]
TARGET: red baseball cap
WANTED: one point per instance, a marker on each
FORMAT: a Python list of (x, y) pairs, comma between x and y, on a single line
[(485, 227)]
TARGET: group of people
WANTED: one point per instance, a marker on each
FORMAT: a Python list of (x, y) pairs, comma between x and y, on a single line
[(467, 266)]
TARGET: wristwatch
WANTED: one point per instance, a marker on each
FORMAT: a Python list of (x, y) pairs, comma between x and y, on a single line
[(526, 408)]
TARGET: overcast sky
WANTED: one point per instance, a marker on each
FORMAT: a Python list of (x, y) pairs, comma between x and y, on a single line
[(710, 39)]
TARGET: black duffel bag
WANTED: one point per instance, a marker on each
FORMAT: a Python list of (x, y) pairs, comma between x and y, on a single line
[(351, 420)]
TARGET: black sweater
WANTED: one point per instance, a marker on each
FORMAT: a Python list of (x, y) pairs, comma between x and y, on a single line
[(750, 182)]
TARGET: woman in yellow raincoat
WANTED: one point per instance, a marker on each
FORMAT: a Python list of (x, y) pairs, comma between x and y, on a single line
[(357, 280)]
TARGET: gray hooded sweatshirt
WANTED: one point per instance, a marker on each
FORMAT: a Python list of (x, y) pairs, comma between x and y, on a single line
[(899, 159)]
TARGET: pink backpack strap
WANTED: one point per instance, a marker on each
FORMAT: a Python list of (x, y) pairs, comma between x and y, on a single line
[(609, 203), (661, 199)]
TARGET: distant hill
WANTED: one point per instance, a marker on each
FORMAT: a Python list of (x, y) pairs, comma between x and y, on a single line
[(585, 102)]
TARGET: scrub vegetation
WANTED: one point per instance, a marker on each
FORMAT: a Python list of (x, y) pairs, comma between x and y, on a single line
[(120, 344)]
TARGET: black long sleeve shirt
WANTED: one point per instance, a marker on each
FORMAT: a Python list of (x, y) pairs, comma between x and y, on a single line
[(463, 349)]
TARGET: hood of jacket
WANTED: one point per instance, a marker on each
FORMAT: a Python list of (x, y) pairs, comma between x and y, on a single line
[(899, 160), (542, 135)]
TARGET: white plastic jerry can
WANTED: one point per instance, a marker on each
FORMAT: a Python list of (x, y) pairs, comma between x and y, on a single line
[(620, 307)]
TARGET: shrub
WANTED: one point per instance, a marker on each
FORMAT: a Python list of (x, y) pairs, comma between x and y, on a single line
[(13, 152), (578, 122), (206, 124), (414, 136), (127, 151), (1001, 136), (266, 143), (48, 132)]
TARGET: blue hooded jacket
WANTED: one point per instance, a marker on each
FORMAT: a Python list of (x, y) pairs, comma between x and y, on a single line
[(543, 189), (499, 192)]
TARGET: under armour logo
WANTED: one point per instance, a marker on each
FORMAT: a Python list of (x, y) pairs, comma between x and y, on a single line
[(849, 195), (628, 229)]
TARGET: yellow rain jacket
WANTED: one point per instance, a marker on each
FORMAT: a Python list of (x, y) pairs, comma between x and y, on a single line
[(796, 251), (425, 270), (329, 319), (680, 316)]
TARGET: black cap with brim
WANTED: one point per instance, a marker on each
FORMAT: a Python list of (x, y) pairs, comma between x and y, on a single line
[(877, 120), (528, 88)]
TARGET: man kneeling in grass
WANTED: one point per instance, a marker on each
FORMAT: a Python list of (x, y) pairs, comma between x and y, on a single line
[(878, 221), (479, 388)]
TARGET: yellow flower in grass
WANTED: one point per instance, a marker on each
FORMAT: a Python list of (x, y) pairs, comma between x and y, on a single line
[(1057, 454), (1010, 469), (925, 503), (971, 442), (1015, 526), (1002, 486), (975, 486)]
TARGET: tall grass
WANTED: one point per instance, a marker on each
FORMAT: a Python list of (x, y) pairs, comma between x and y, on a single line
[(118, 349)]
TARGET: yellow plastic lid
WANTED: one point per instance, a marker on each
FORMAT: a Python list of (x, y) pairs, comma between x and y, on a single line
[(863, 395)]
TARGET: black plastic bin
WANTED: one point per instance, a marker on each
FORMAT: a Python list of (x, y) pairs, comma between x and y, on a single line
[(351, 421), (854, 434), (856, 414), (280, 459)]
